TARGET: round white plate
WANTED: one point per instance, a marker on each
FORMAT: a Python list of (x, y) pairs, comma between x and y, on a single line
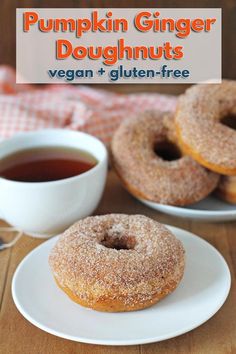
[(208, 209), (201, 293)]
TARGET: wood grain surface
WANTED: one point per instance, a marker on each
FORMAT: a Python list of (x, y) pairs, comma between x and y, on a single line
[(217, 336)]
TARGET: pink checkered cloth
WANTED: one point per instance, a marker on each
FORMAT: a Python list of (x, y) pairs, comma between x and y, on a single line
[(77, 107)]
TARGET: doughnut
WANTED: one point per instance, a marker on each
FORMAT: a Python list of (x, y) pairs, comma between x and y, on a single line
[(206, 123), (147, 157), (117, 262), (226, 189)]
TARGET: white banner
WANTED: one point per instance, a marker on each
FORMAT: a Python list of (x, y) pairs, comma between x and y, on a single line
[(118, 45)]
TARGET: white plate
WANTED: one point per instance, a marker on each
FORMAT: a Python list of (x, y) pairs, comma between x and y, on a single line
[(202, 292), (208, 209)]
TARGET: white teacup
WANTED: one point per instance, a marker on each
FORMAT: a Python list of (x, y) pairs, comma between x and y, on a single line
[(43, 209)]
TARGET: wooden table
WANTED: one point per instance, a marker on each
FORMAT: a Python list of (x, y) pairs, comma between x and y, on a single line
[(217, 336)]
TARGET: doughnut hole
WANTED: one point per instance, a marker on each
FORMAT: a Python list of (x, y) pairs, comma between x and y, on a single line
[(120, 242), (229, 120), (167, 150)]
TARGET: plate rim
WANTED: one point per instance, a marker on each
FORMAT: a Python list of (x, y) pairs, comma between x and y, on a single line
[(109, 342), (196, 212)]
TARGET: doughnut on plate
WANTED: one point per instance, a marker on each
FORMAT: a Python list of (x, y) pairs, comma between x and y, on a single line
[(208, 209), (200, 295)]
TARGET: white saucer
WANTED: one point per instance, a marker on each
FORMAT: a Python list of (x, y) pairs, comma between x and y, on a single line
[(202, 292), (208, 209)]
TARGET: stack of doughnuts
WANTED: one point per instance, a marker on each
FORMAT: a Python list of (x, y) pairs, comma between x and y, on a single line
[(179, 159)]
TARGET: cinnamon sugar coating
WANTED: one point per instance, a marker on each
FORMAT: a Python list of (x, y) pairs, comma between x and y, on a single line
[(226, 189), (111, 279), (146, 175), (202, 134)]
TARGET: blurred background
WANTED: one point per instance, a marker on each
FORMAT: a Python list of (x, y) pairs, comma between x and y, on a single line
[(8, 40)]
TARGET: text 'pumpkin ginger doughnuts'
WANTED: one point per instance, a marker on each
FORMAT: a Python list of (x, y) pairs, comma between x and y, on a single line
[(206, 122), (226, 189), (147, 158), (117, 262)]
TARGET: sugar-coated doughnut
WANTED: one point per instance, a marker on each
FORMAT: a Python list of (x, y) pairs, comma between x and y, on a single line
[(117, 262), (150, 163), (203, 130), (226, 189)]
